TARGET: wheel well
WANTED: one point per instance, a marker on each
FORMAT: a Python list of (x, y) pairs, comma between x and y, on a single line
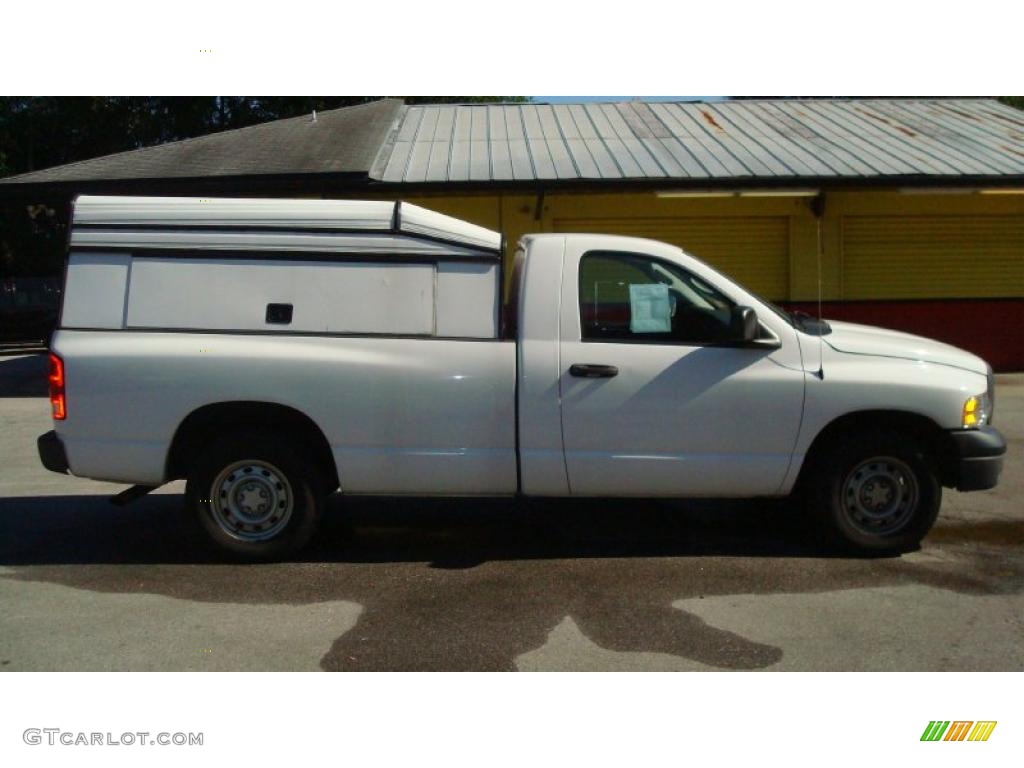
[(209, 422), (929, 435)]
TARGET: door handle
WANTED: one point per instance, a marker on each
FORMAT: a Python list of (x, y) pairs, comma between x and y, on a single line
[(588, 371)]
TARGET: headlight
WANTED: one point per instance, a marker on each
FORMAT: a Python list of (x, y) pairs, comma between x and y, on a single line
[(977, 411)]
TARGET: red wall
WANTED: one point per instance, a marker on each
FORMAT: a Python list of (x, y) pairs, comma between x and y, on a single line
[(991, 328)]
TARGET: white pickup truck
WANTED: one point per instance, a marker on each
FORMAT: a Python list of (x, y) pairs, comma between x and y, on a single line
[(274, 351)]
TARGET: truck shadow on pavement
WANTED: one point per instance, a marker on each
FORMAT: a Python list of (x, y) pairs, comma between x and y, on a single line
[(473, 584), (23, 375), (443, 533)]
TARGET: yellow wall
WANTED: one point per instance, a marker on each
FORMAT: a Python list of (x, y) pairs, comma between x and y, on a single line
[(516, 215)]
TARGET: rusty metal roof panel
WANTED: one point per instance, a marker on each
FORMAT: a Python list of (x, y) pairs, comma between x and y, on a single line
[(743, 147), (717, 158), (974, 136), (937, 142), (789, 154), (634, 149), (836, 158), (881, 161), (732, 141), (851, 118)]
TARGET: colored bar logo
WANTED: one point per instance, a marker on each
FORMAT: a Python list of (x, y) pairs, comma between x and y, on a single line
[(958, 730)]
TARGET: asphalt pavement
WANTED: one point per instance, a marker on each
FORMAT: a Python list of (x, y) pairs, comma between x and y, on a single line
[(415, 584)]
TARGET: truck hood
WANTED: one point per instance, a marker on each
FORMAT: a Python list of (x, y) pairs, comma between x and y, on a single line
[(868, 340)]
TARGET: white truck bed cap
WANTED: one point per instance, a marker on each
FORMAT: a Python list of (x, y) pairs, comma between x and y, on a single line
[(96, 214)]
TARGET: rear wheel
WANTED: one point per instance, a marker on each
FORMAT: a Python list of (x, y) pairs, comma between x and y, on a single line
[(877, 494), (256, 496)]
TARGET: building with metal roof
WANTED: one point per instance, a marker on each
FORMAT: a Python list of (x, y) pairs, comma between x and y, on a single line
[(906, 213), (695, 144), (715, 143)]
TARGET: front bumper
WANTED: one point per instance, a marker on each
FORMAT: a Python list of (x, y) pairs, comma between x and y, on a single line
[(977, 458), (51, 453)]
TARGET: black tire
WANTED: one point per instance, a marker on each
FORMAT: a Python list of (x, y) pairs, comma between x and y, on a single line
[(875, 494), (238, 485)]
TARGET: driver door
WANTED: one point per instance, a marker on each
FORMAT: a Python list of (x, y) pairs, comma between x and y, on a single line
[(655, 399)]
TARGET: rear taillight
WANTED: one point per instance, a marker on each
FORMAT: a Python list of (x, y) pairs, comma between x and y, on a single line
[(57, 400)]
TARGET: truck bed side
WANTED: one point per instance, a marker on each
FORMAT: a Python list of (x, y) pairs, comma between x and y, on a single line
[(430, 416)]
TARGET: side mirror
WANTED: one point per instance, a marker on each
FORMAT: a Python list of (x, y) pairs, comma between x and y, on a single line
[(743, 324)]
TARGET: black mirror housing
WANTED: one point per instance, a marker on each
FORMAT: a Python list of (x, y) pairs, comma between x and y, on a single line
[(743, 324)]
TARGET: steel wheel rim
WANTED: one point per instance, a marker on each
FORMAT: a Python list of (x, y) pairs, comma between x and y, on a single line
[(251, 500), (880, 495)]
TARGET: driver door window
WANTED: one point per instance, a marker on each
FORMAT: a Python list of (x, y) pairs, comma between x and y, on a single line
[(626, 297)]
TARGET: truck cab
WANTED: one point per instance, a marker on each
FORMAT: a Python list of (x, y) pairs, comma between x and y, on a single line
[(667, 373)]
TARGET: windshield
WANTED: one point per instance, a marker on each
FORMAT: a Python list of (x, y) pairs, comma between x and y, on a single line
[(799, 320)]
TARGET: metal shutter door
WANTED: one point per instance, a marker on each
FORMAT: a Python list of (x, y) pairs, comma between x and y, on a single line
[(930, 257), (753, 250)]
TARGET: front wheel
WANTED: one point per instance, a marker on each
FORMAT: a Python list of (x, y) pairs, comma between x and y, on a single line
[(255, 496), (877, 494)]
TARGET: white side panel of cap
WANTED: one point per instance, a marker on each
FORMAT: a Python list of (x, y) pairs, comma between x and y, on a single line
[(233, 294), (94, 290), (467, 300)]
